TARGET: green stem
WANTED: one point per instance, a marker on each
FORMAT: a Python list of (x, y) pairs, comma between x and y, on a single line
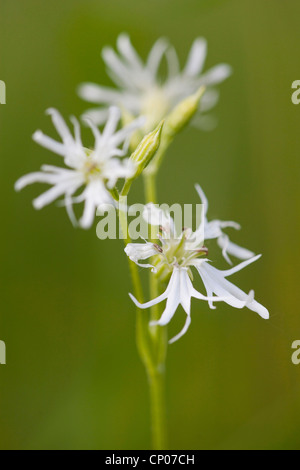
[(159, 341), (150, 186), (151, 341), (142, 329), (145, 347), (158, 410)]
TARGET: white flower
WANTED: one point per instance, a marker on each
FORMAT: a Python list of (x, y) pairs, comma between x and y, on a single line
[(213, 229), (96, 170), (173, 260), (142, 91)]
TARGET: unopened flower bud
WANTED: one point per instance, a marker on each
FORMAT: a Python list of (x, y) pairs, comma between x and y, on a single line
[(183, 113), (146, 150)]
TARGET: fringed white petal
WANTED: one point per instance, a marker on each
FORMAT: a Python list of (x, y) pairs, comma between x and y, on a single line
[(155, 56), (37, 177), (240, 266), (209, 100), (183, 331), (196, 58), (233, 249), (126, 131), (99, 94), (61, 127), (118, 71), (149, 304), (234, 296), (155, 216), (98, 116), (203, 198), (114, 115), (40, 138), (129, 53), (173, 62), (140, 251), (216, 75), (94, 195)]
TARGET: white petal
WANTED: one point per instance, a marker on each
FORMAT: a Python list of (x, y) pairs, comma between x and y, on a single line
[(235, 250), (122, 134), (49, 196), (114, 115), (37, 177), (202, 196), (221, 287), (183, 331), (69, 208), (185, 290), (204, 122), (223, 242), (216, 75), (209, 100), (99, 94), (94, 195), (173, 62), (173, 299), (96, 132), (49, 143), (155, 56), (119, 71), (233, 296), (258, 308), (98, 116), (63, 172), (196, 58), (61, 126), (87, 218), (77, 131), (155, 301), (128, 51), (140, 251), (115, 169), (153, 215), (235, 269)]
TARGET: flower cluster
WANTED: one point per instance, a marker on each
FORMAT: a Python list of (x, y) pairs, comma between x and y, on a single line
[(157, 109)]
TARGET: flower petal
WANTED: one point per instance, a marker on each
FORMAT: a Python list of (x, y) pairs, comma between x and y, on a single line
[(216, 75), (235, 250), (40, 138), (173, 300), (155, 56), (183, 331), (99, 94), (196, 58), (128, 51)]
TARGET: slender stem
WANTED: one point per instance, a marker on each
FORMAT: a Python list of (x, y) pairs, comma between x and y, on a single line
[(151, 341), (150, 186), (159, 340), (142, 328), (158, 410)]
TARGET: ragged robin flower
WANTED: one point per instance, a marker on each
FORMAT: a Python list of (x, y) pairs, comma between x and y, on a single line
[(174, 257), (141, 88), (95, 171)]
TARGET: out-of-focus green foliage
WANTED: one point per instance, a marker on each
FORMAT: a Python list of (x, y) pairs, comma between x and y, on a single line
[(73, 379)]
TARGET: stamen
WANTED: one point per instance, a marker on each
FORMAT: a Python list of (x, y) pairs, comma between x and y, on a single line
[(203, 250), (158, 248)]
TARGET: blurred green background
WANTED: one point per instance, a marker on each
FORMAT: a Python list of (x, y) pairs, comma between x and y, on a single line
[(73, 379)]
